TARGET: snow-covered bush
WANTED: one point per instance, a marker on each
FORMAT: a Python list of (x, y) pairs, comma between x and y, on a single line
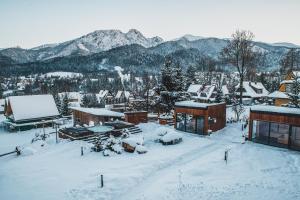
[(171, 138), (140, 149), (28, 151)]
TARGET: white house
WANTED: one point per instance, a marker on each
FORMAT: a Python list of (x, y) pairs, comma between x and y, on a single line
[(252, 91)]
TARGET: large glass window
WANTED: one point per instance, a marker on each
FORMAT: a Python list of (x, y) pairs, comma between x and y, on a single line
[(190, 123), (271, 133), (261, 132), (295, 138), (180, 121), (279, 134), (200, 125)]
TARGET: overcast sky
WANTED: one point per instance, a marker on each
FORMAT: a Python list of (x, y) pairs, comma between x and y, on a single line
[(29, 23)]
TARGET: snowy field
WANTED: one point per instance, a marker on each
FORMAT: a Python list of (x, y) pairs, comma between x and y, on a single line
[(193, 169)]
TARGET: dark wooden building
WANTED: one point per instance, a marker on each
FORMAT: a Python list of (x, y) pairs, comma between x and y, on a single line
[(198, 118), (136, 117), (94, 116), (276, 126)]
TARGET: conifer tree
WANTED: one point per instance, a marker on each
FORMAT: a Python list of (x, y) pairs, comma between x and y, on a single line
[(85, 101), (65, 106)]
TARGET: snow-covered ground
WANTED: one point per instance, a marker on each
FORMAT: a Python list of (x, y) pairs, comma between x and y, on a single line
[(193, 169)]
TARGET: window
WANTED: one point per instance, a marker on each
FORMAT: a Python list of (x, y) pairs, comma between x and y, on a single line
[(276, 134), (295, 138), (190, 123), (180, 121)]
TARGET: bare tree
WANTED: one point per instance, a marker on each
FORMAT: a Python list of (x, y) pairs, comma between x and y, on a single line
[(291, 60), (240, 54)]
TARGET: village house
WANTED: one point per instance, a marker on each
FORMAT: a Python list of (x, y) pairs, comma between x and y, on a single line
[(280, 97), (252, 92), (105, 96), (25, 112), (122, 96), (205, 93), (199, 118), (276, 126)]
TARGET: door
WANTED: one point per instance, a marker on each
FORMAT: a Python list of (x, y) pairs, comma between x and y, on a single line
[(295, 138), (200, 125)]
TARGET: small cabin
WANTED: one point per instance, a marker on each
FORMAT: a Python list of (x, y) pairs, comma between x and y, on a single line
[(136, 117), (199, 118), (276, 126), (26, 112), (86, 116)]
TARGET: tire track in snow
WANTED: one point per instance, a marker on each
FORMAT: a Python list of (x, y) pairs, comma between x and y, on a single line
[(137, 190)]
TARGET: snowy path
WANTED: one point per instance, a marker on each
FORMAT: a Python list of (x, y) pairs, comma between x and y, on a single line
[(139, 191)]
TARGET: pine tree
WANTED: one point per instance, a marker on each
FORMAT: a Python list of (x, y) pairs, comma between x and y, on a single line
[(191, 75), (85, 101), (218, 98), (167, 76), (93, 101), (295, 91), (65, 106), (178, 80)]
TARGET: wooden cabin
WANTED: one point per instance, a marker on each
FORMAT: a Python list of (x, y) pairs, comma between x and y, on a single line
[(26, 112), (136, 117), (198, 118), (276, 126), (94, 116), (278, 98)]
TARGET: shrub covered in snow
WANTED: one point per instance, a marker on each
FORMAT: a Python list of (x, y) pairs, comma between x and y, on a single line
[(140, 149), (171, 138)]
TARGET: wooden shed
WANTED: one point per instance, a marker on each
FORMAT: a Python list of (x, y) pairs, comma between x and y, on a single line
[(136, 117), (276, 126), (198, 118), (83, 116)]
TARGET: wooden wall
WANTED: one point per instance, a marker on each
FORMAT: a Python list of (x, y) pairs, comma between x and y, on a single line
[(214, 111), (218, 112), (84, 118), (136, 117)]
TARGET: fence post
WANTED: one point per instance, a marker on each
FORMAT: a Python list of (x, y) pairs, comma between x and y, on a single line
[(226, 156), (102, 184), (81, 151)]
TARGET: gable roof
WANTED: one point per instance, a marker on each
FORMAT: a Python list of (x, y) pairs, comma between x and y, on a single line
[(248, 86), (32, 107), (194, 88)]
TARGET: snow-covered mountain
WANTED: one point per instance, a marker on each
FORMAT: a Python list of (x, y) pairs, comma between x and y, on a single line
[(97, 41), (286, 44), (190, 37)]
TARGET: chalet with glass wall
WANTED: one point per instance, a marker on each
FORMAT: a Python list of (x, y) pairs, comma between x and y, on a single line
[(198, 118), (276, 126)]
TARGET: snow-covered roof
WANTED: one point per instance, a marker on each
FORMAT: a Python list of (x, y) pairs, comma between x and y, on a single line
[(249, 87), (194, 88), (275, 109), (103, 93), (278, 95), (32, 107), (225, 90), (2, 102), (206, 93), (287, 82), (64, 74), (70, 95), (119, 94), (99, 111), (195, 104)]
